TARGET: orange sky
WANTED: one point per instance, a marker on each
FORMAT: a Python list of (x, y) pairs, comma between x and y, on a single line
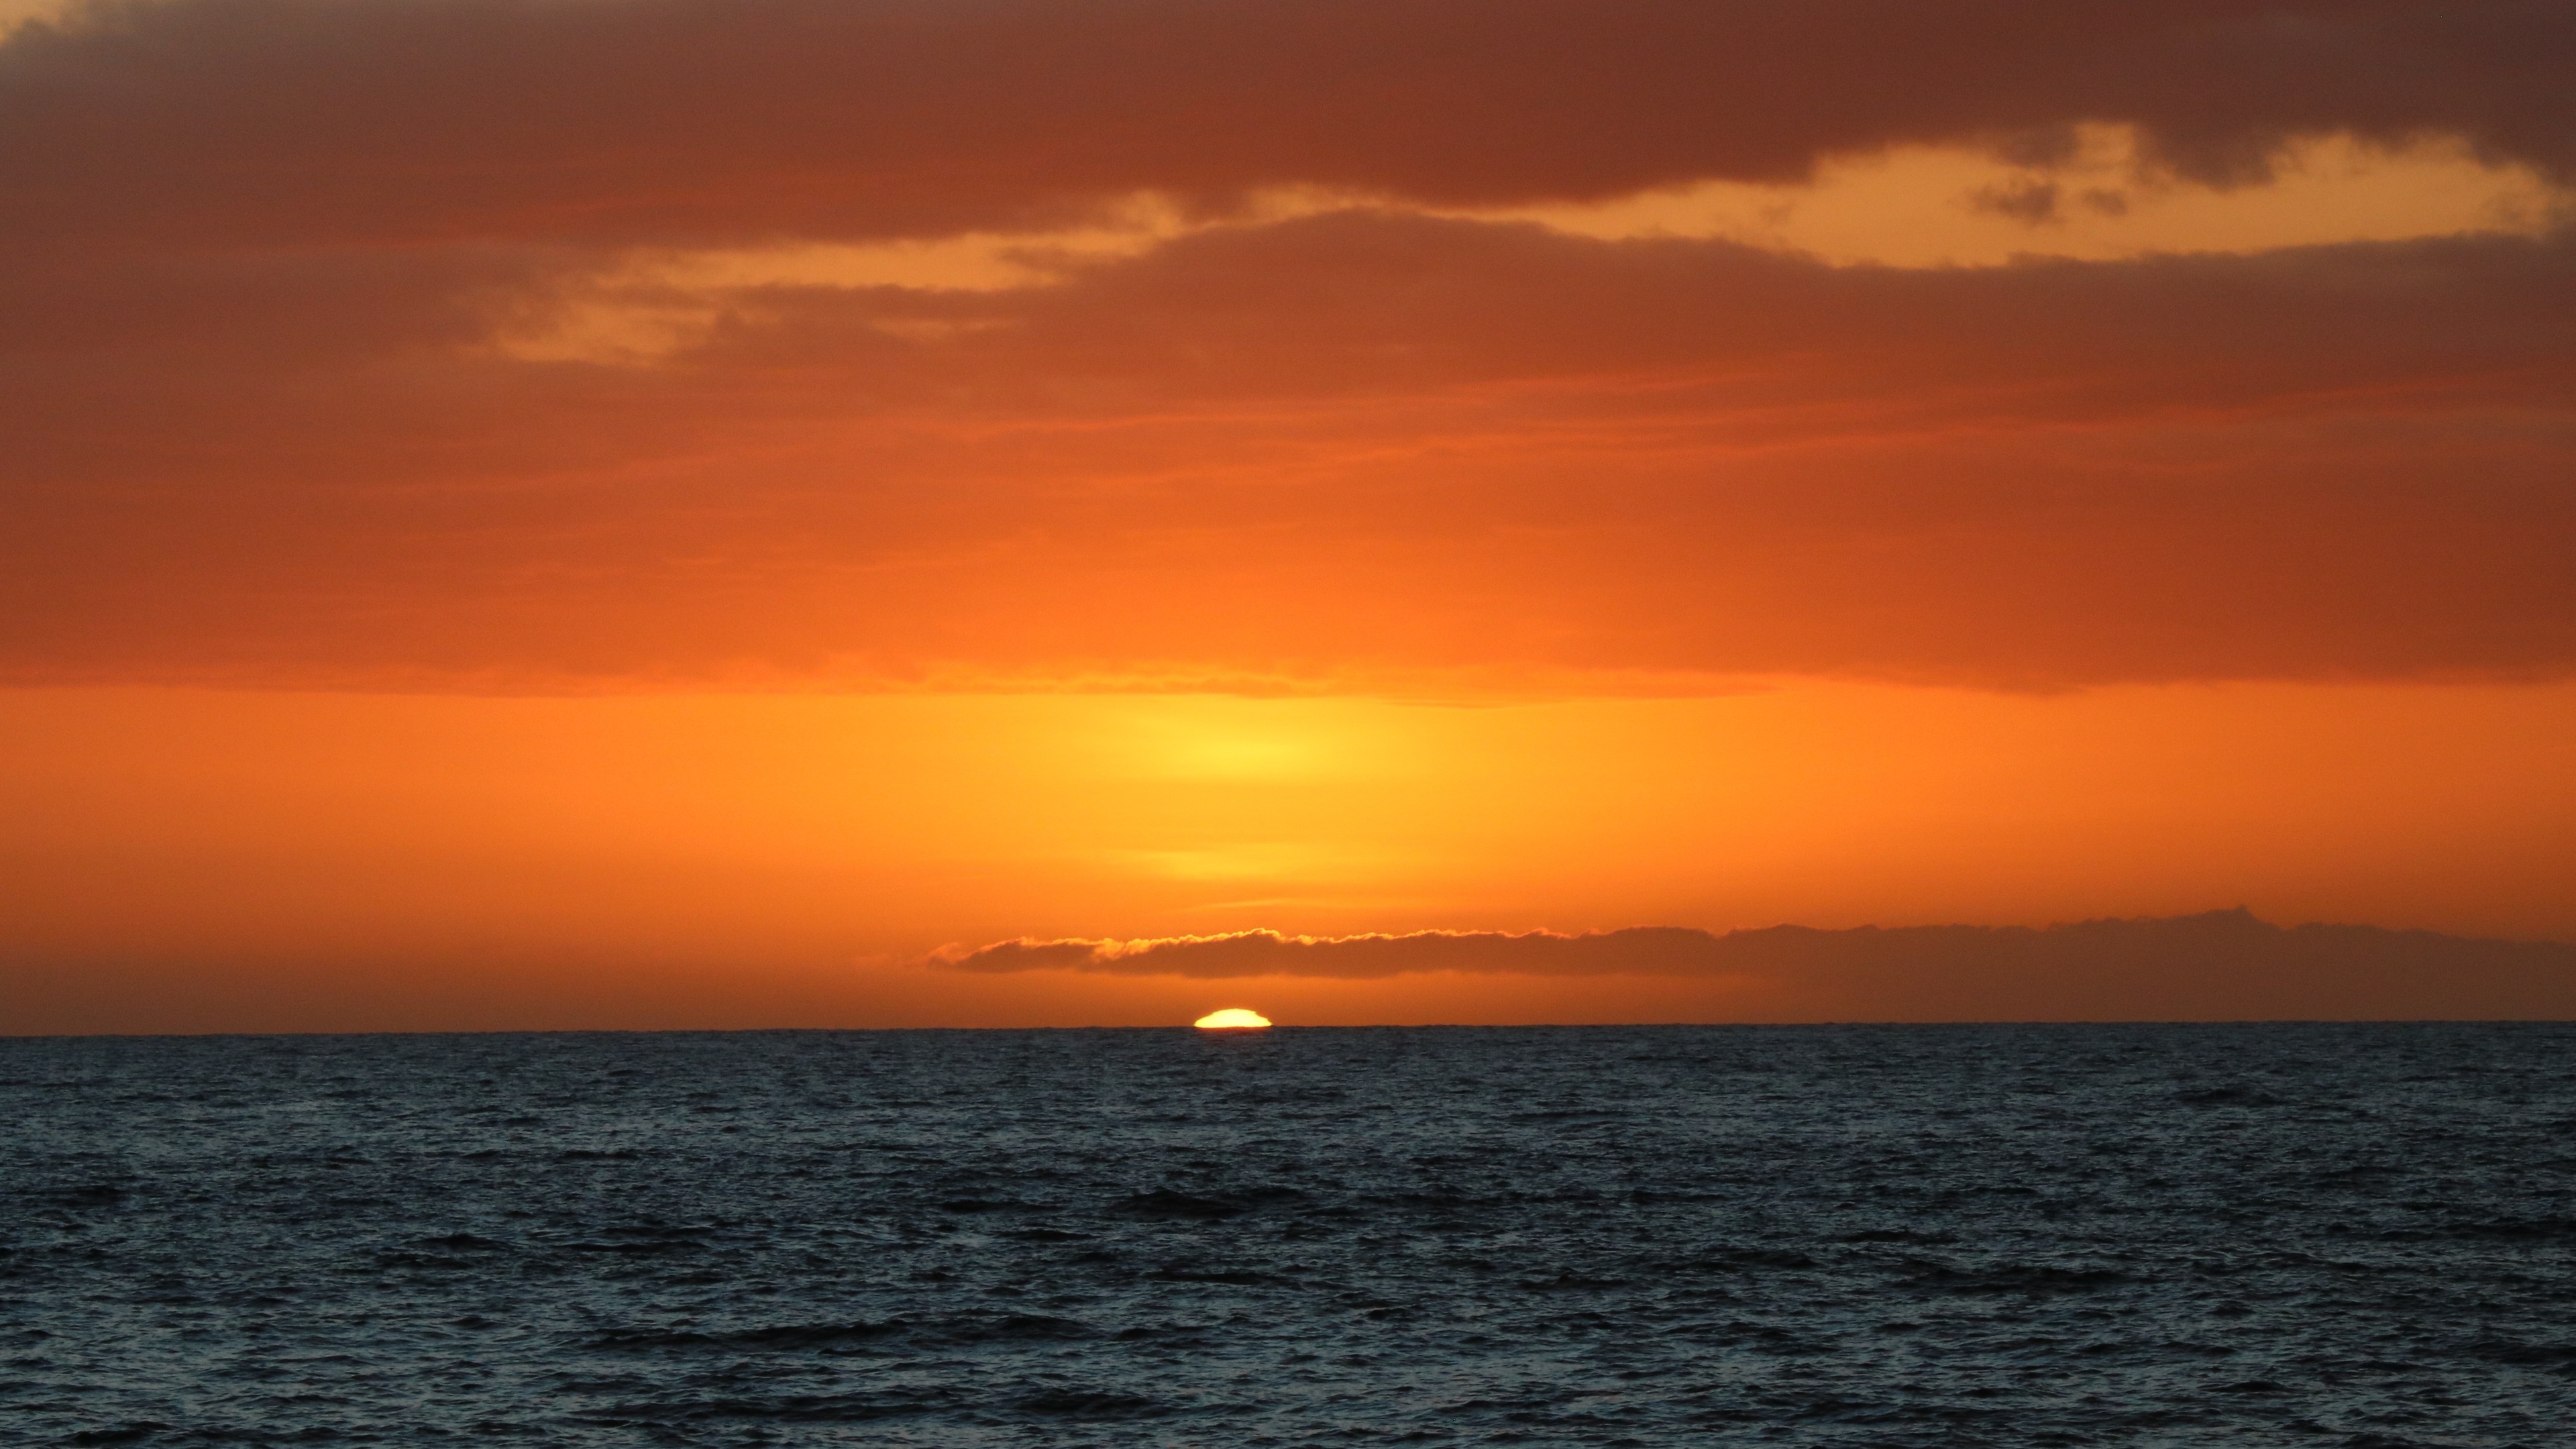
[(665, 512)]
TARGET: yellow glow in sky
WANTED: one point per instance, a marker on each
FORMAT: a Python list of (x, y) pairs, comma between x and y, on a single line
[(194, 825)]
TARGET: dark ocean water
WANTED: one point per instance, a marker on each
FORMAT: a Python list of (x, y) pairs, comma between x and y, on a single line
[(2253, 1235)]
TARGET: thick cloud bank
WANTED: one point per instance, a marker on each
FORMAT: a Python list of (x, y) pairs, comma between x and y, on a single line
[(656, 121), (2222, 966), (271, 414)]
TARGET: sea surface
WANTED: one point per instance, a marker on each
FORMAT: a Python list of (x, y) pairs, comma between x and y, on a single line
[(1987, 1236)]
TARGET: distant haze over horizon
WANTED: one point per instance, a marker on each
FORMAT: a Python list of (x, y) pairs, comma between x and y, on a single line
[(520, 513), (2213, 967)]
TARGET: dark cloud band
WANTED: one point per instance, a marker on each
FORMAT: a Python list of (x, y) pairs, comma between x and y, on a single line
[(298, 122), (2216, 966)]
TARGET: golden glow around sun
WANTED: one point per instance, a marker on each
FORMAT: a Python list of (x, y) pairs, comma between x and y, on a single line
[(1233, 1018)]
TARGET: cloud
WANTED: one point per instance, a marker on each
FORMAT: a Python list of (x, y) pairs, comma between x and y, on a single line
[(2219, 966), (2030, 201), (373, 122), (1359, 446), (278, 404), (1659, 950)]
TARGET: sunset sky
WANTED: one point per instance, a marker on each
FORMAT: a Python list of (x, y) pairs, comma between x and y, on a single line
[(545, 513)]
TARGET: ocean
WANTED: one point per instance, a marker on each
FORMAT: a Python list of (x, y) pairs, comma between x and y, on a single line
[(1884, 1236)]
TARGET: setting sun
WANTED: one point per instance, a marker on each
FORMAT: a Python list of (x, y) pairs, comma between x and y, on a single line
[(778, 535), (1851, 665)]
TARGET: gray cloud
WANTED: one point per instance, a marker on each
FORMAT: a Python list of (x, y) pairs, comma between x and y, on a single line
[(2220, 966)]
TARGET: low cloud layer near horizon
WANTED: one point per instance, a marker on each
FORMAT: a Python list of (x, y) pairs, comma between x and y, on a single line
[(2222, 965)]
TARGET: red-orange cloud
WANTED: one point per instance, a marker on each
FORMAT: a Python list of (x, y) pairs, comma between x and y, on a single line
[(1356, 447), (257, 425)]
